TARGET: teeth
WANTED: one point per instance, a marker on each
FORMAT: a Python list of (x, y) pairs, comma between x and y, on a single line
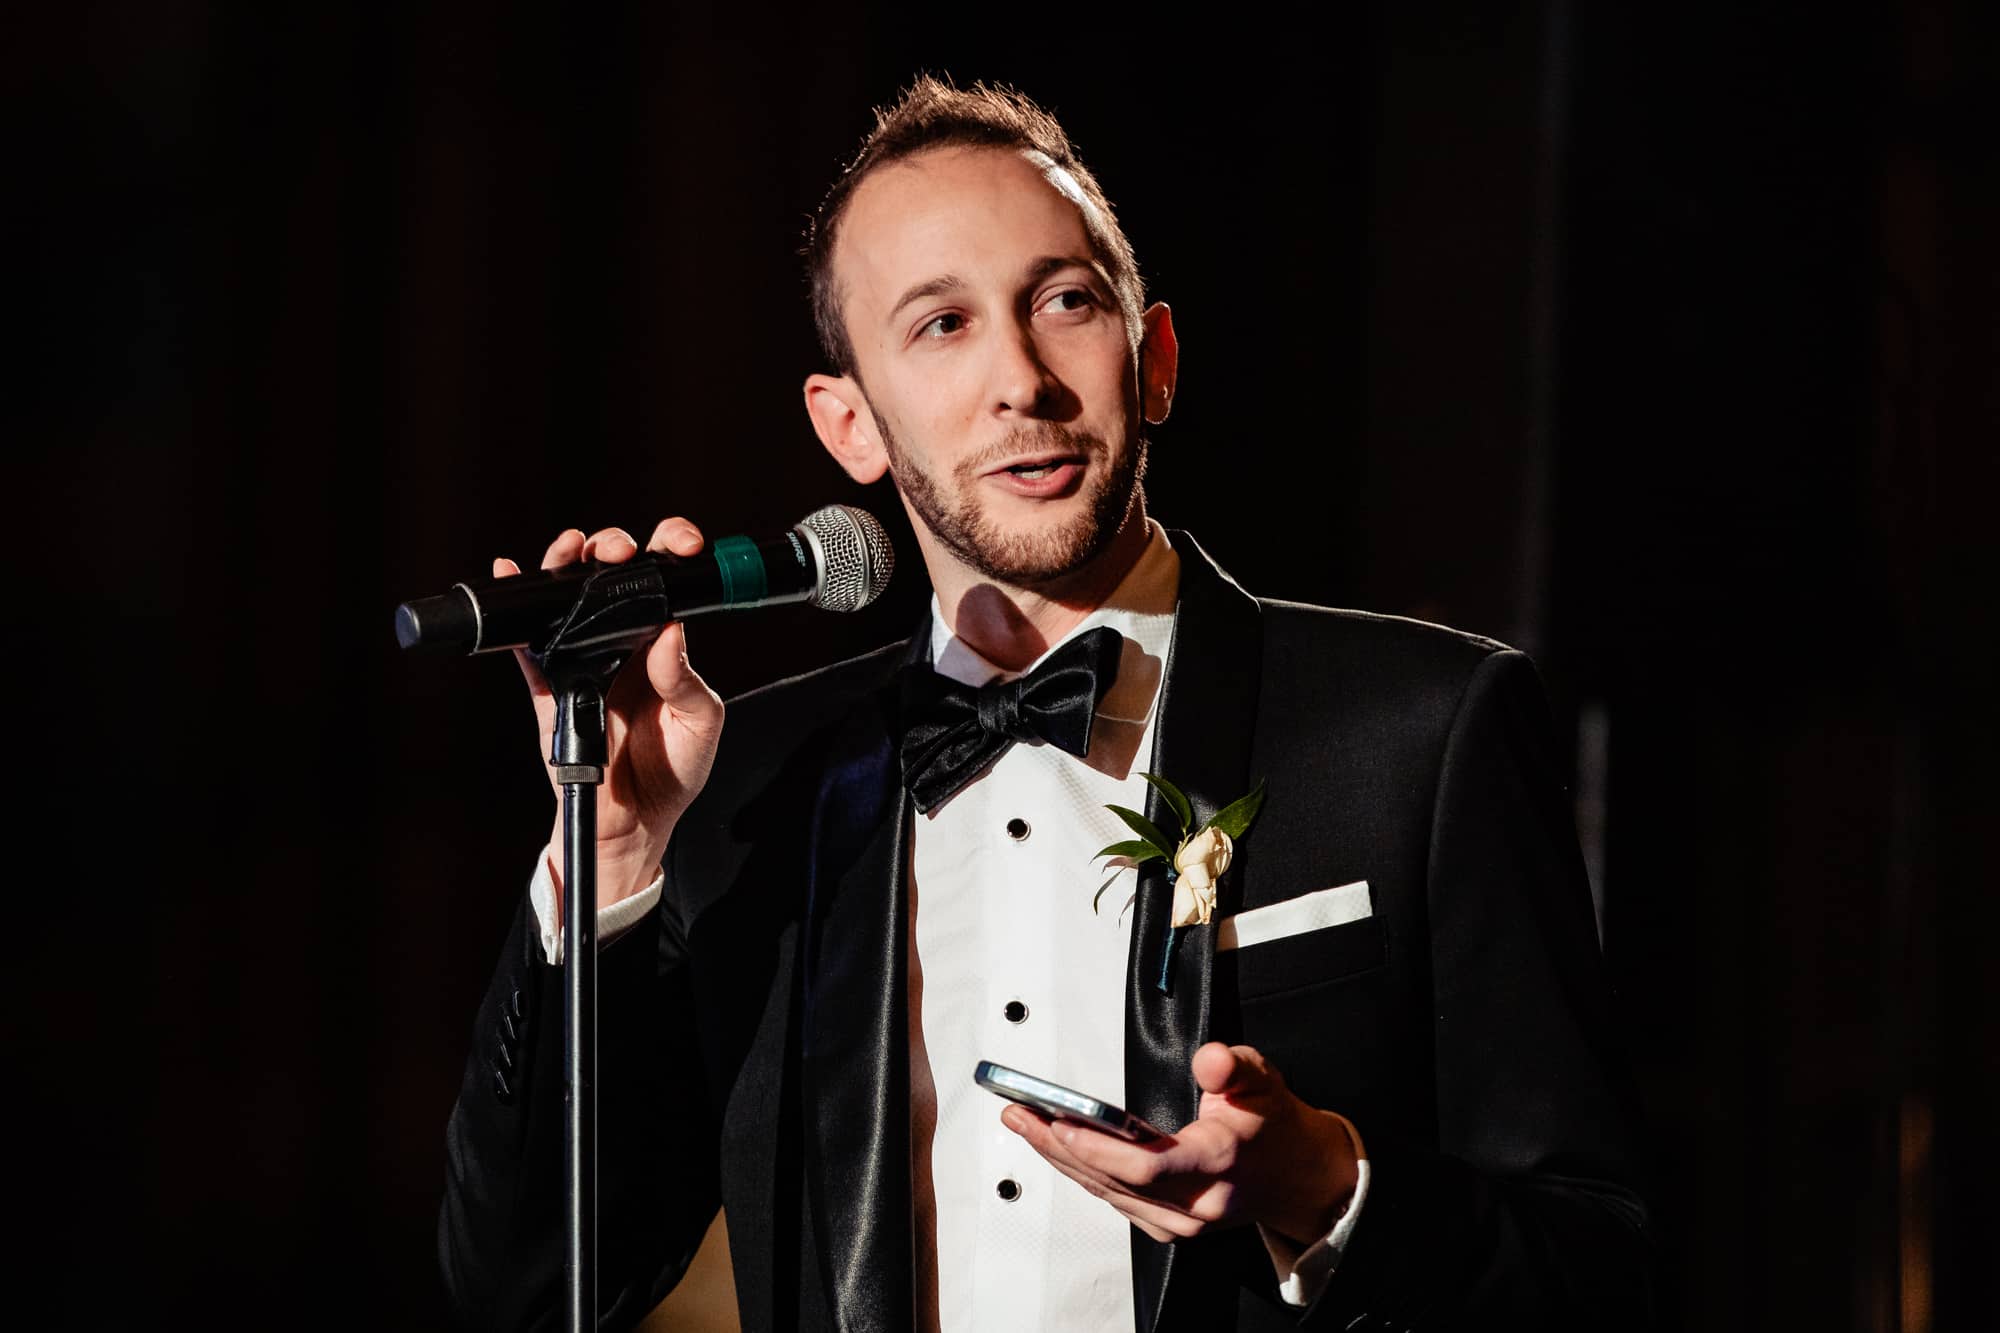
[(1033, 473)]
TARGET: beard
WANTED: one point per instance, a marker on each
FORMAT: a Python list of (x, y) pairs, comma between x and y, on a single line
[(1024, 559)]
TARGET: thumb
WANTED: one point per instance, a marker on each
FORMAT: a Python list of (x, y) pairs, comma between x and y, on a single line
[(674, 680), (1234, 1071)]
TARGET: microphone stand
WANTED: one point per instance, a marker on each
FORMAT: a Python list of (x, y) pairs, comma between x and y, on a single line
[(577, 750)]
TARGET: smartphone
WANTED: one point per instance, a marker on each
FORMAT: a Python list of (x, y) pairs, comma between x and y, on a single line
[(1059, 1103)]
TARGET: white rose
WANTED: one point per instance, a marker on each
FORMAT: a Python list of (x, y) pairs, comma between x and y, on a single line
[(1192, 906), (1198, 865)]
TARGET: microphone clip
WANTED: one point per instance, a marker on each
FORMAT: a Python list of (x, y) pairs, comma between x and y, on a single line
[(619, 610)]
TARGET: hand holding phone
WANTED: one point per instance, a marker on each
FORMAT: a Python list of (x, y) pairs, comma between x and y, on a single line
[(1059, 1103)]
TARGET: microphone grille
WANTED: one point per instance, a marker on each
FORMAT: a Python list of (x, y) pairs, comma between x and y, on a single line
[(856, 559)]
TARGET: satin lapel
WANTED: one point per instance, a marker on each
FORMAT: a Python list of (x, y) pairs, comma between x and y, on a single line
[(1208, 714), (855, 1025)]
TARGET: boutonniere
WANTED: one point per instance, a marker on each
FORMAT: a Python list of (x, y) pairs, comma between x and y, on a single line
[(1195, 860)]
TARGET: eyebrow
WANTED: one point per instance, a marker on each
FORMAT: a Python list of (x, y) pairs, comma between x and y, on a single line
[(946, 283), (938, 286), (1048, 264)]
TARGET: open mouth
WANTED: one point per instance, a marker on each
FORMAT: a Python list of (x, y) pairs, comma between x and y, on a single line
[(1036, 469)]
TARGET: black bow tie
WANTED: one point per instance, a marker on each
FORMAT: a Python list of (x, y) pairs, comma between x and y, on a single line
[(952, 731)]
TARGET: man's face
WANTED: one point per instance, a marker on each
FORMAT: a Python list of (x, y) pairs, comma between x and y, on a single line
[(999, 371)]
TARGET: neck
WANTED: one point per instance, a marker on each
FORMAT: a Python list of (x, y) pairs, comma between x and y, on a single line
[(1009, 625)]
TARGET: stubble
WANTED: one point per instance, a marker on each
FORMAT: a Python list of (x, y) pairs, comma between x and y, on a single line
[(1024, 559)]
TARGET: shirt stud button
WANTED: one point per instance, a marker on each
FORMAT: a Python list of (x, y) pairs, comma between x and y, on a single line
[(1016, 1012), (1008, 1189), (1017, 829)]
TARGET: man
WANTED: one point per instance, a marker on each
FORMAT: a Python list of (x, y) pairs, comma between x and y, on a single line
[(1379, 1053)]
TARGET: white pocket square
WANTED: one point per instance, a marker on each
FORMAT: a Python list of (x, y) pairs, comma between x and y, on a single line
[(1295, 916)]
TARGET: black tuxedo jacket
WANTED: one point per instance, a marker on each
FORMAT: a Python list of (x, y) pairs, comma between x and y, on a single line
[(753, 1033)]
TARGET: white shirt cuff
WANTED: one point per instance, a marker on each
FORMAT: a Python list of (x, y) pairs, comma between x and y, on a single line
[(612, 921), (1303, 1274)]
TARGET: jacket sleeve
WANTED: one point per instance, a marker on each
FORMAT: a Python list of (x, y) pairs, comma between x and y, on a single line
[(501, 1236), (1526, 1211)]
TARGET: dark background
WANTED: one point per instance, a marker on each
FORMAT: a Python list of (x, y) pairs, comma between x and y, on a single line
[(1659, 343)]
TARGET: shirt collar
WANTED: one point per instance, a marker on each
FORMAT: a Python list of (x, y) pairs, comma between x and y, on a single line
[(1141, 608)]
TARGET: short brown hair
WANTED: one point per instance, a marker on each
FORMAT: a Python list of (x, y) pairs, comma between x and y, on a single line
[(933, 113)]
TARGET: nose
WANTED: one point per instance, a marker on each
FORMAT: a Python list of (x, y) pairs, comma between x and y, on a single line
[(1023, 384)]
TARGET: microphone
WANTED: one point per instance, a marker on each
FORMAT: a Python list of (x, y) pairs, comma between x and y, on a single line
[(837, 557)]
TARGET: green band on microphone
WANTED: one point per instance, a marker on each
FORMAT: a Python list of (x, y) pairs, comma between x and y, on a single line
[(744, 582)]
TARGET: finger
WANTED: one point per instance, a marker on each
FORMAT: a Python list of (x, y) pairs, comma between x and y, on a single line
[(1041, 1135), (1166, 1169), (564, 550), (610, 545), (503, 568), (676, 681), (1129, 1166), (676, 535), (538, 684), (1162, 1219), (1157, 1220), (1024, 1122), (1178, 1202), (1038, 1130), (1219, 1068)]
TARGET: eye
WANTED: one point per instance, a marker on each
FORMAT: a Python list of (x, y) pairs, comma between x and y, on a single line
[(1069, 299), (942, 326)]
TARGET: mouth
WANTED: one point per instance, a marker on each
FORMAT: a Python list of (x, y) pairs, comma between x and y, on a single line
[(1042, 477), (1037, 468)]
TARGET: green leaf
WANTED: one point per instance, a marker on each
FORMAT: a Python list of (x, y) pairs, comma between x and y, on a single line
[(1109, 880), (1144, 827), (1176, 800), (1236, 817), (1138, 849)]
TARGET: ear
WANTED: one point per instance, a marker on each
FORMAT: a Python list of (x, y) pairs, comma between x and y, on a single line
[(845, 424), (1159, 362)]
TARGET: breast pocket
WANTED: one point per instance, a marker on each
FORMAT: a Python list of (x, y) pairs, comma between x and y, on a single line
[(1303, 941)]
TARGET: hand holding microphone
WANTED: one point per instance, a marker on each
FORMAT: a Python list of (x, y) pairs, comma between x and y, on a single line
[(662, 721)]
